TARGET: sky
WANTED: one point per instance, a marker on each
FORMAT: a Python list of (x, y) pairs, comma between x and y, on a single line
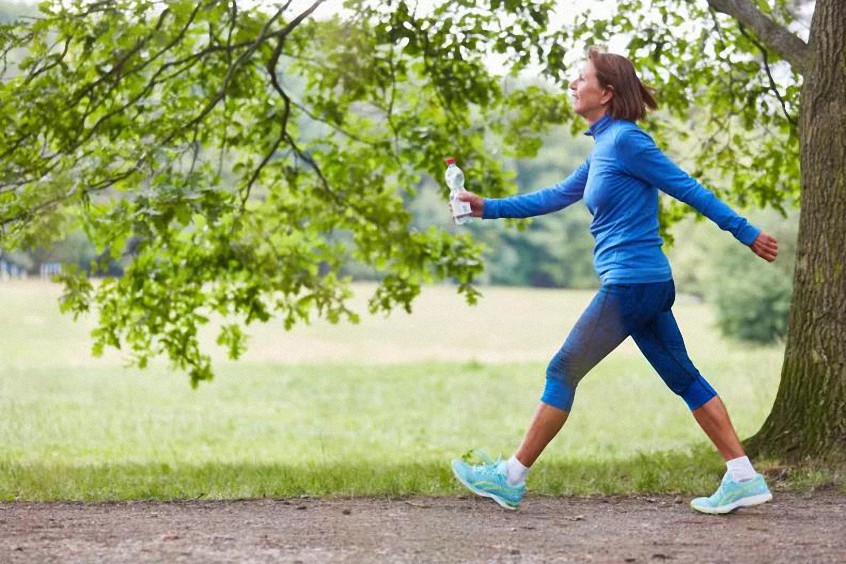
[(564, 13), (565, 10)]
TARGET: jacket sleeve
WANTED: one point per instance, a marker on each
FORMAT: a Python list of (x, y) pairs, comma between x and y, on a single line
[(640, 157), (541, 202)]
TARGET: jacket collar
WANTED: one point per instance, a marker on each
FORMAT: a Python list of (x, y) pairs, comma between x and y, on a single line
[(599, 125)]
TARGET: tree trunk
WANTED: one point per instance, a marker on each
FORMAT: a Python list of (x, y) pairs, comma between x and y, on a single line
[(808, 419)]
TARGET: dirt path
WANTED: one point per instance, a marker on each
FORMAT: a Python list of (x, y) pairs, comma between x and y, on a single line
[(793, 528)]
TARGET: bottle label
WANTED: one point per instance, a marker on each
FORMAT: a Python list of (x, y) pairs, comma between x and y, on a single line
[(460, 208)]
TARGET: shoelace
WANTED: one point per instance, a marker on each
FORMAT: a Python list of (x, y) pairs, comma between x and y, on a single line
[(487, 459), (489, 468)]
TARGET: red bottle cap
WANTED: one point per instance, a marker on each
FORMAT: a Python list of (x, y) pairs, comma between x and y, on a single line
[(449, 160)]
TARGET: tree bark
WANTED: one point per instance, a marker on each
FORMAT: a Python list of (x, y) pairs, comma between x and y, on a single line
[(808, 419)]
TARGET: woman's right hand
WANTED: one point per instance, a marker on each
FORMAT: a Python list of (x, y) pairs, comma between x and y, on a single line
[(477, 204)]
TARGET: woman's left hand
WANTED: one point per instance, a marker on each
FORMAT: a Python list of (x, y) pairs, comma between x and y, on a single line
[(765, 246)]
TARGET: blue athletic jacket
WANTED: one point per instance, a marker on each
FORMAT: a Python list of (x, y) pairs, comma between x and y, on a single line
[(619, 183)]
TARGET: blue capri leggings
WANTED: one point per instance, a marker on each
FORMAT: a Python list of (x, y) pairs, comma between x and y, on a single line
[(617, 311)]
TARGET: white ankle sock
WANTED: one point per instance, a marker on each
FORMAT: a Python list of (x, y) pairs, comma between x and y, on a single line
[(516, 472), (740, 469)]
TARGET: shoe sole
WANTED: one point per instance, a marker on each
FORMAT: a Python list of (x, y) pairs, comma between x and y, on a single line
[(482, 493), (750, 501)]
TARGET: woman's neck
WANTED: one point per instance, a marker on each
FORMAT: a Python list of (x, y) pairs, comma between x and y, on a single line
[(593, 118)]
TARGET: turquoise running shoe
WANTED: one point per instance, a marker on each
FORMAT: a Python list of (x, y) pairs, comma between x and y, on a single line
[(489, 480), (731, 495)]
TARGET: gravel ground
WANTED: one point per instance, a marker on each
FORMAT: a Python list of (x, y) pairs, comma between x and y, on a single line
[(792, 528)]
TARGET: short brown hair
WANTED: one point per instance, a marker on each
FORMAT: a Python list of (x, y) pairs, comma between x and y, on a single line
[(631, 98)]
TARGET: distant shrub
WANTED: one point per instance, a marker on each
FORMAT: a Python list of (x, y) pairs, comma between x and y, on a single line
[(750, 296), (750, 309)]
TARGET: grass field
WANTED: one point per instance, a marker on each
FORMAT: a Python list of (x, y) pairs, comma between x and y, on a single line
[(377, 408)]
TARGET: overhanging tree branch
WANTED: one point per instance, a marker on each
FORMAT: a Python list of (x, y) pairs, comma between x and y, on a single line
[(773, 87), (121, 73), (776, 37)]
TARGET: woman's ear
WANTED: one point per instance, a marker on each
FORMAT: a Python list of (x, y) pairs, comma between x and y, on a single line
[(607, 95)]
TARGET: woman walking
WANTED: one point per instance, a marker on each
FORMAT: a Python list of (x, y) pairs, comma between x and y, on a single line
[(619, 184)]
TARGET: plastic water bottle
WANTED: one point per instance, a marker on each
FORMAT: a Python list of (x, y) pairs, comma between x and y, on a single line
[(455, 181)]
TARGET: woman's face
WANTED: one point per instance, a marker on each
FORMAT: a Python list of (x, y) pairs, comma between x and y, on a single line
[(590, 100)]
